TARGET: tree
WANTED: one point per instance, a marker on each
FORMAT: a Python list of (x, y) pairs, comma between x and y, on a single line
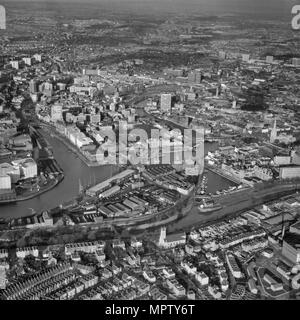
[(88, 258), (32, 263)]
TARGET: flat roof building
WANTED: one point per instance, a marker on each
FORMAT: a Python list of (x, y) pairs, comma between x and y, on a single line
[(291, 247)]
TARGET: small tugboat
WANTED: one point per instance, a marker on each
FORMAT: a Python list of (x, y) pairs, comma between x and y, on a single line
[(208, 205), (203, 186)]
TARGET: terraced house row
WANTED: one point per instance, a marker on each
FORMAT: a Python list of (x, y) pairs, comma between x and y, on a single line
[(35, 284)]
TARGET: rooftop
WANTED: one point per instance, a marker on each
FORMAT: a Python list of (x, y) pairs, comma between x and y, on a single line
[(175, 237)]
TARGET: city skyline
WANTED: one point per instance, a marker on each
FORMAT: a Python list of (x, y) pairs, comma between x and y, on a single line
[(150, 151)]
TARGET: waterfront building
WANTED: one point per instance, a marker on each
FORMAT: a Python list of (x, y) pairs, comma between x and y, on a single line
[(77, 137), (13, 172), (5, 182), (289, 172), (56, 112), (101, 187), (280, 160), (110, 192), (28, 167), (21, 142)]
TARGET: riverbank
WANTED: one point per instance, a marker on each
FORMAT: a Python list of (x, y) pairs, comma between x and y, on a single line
[(140, 230), (223, 174), (235, 204), (116, 227), (49, 187), (76, 173), (78, 153), (164, 222), (57, 180)]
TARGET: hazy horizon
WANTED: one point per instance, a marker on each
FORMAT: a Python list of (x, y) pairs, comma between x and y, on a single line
[(260, 7)]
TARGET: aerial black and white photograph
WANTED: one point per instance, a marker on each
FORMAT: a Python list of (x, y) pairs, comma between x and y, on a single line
[(149, 151)]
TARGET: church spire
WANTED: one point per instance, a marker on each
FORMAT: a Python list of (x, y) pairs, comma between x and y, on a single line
[(273, 136)]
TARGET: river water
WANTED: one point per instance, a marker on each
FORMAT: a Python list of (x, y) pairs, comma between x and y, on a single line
[(75, 170)]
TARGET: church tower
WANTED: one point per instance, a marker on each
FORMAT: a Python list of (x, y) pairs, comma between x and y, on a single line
[(273, 135), (162, 237)]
